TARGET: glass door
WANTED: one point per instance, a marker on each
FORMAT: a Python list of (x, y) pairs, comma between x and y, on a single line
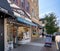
[(15, 41), (10, 36)]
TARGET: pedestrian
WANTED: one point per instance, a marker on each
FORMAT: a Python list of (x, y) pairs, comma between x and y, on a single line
[(43, 34)]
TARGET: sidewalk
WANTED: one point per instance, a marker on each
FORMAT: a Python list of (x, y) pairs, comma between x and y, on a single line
[(39, 40), (53, 48), (36, 45), (32, 46), (28, 48)]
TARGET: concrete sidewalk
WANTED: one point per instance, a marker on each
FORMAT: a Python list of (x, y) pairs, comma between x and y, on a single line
[(28, 48), (39, 40), (53, 48), (36, 45)]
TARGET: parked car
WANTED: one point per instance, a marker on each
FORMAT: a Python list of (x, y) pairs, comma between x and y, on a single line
[(48, 40)]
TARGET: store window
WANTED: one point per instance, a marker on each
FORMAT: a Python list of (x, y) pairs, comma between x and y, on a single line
[(12, 34), (20, 33), (34, 30), (9, 33)]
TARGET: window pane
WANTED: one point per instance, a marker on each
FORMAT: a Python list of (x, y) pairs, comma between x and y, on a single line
[(27, 6), (15, 1), (22, 3)]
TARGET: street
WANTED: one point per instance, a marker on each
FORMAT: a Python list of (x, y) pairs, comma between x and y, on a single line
[(53, 48), (37, 45)]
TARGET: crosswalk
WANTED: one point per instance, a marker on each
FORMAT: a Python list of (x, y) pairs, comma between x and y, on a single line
[(35, 44)]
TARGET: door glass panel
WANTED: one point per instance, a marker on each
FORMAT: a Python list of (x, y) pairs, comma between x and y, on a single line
[(10, 32)]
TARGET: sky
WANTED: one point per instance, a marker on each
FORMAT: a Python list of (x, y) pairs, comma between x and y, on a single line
[(48, 6)]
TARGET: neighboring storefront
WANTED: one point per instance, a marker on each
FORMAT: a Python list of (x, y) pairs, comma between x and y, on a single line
[(5, 12), (34, 32), (36, 29)]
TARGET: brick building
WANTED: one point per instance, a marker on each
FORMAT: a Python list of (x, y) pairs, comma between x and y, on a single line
[(31, 8), (25, 26)]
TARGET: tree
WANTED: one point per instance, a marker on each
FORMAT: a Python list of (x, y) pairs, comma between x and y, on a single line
[(51, 24)]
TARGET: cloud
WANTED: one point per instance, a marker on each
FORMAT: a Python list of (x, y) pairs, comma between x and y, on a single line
[(41, 15)]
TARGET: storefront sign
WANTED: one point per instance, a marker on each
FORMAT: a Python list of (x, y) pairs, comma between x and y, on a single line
[(4, 10), (19, 11)]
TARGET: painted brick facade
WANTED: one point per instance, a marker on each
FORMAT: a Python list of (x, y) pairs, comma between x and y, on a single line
[(34, 8), (31, 6)]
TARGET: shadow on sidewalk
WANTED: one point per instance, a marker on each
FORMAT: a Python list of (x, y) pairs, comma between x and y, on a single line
[(39, 40)]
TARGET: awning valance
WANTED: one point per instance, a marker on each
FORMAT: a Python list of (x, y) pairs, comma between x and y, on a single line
[(19, 19), (39, 26)]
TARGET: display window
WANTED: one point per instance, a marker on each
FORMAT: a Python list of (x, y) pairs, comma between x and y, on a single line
[(9, 32), (34, 30), (12, 34)]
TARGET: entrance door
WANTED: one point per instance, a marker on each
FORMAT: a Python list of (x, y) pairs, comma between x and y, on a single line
[(15, 36), (1, 34)]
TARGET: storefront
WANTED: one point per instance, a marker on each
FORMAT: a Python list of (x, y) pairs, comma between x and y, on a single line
[(17, 31), (3, 17), (25, 30), (5, 12), (13, 30), (34, 32), (35, 29)]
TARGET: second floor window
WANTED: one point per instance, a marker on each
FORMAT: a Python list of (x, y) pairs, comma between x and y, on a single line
[(15, 1), (27, 7), (33, 12), (22, 3)]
